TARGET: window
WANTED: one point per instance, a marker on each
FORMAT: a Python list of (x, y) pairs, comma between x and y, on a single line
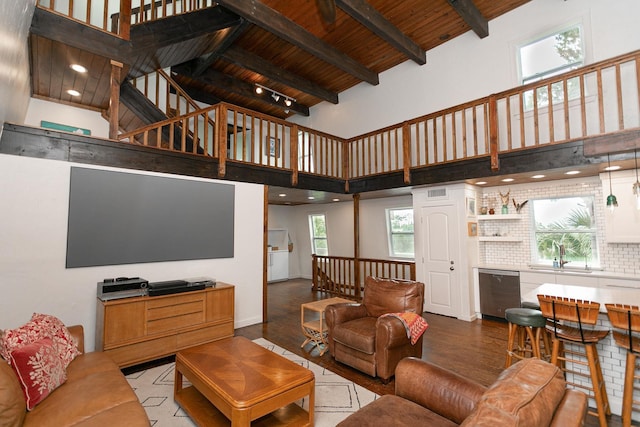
[(318, 227), (568, 221), (400, 232), (550, 56)]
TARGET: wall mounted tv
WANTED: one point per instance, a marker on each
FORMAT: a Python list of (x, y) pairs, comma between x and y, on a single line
[(125, 218)]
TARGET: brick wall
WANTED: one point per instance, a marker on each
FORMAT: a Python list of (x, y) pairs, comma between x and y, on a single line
[(614, 257)]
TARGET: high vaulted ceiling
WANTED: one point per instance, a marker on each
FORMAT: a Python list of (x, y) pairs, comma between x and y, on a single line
[(283, 45)]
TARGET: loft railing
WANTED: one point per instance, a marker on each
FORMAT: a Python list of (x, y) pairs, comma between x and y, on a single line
[(117, 16), (602, 98), (345, 276), (95, 13)]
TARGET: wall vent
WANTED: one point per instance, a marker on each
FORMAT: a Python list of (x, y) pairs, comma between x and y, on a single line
[(436, 193)]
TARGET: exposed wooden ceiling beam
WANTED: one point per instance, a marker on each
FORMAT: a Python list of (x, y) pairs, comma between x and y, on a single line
[(365, 14), (259, 65), (472, 16), (274, 22), (238, 87), (204, 62)]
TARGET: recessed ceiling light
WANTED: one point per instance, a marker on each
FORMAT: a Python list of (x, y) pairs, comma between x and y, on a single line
[(258, 90), (73, 92), (311, 198), (612, 168), (282, 195), (572, 173), (336, 200), (481, 182), (79, 68), (507, 180), (538, 176)]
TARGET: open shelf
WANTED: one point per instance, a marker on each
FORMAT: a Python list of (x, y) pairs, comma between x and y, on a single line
[(499, 239), (498, 217)]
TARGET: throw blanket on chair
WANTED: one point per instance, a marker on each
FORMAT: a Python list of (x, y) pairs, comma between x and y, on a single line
[(413, 323)]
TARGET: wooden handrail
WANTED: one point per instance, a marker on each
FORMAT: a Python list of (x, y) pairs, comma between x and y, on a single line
[(344, 276), (606, 93)]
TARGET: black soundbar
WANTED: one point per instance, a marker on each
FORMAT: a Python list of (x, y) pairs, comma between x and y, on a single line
[(172, 287)]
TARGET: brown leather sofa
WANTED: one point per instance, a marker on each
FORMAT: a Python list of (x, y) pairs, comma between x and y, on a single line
[(530, 393), (96, 393), (359, 337)]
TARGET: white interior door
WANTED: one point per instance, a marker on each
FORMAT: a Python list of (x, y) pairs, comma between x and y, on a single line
[(440, 249)]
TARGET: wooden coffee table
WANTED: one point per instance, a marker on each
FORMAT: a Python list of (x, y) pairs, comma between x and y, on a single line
[(235, 381)]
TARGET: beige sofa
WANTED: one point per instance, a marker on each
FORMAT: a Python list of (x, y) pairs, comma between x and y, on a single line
[(96, 393), (531, 393)]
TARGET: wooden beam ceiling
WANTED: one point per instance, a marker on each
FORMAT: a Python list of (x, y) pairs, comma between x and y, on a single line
[(276, 23), (366, 15), (472, 16), (233, 85), (263, 67)]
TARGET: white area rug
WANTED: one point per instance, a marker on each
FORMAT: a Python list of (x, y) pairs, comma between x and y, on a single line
[(336, 397)]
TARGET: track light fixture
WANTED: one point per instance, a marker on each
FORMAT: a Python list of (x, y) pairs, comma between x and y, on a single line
[(612, 201), (288, 101)]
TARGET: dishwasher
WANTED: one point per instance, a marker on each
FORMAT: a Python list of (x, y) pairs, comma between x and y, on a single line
[(499, 290)]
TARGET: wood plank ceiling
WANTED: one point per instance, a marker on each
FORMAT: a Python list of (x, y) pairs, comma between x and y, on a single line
[(283, 45)]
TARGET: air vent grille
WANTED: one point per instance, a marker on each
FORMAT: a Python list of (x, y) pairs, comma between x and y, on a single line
[(437, 192)]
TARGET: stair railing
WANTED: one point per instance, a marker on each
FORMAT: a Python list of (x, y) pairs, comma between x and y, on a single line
[(344, 276)]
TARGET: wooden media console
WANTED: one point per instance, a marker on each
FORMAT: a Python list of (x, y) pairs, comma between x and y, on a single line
[(140, 329)]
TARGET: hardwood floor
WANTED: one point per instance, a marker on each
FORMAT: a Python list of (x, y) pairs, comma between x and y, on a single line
[(475, 350)]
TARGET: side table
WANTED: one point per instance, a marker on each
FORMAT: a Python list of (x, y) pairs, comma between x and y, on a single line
[(315, 330)]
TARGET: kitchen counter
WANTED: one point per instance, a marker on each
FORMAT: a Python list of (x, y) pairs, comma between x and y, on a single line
[(568, 271), (601, 295)]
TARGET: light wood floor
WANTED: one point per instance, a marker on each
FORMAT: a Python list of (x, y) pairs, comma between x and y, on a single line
[(473, 349)]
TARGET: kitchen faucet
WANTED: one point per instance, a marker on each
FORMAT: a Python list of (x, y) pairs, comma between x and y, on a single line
[(562, 260)]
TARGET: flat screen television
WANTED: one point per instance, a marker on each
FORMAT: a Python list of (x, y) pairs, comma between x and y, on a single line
[(126, 218)]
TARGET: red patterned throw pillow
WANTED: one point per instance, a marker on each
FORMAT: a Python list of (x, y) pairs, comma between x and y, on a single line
[(40, 326), (39, 369)]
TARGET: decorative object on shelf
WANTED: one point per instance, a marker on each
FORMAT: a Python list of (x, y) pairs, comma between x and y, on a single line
[(612, 201), (472, 229), (471, 206), (519, 206), (492, 211), (484, 210), (505, 201), (636, 185)]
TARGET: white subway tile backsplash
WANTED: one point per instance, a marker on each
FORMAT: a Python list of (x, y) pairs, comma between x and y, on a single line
[(614, 257)]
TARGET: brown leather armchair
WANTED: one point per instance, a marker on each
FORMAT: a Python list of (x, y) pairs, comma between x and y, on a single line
[(359, 337)]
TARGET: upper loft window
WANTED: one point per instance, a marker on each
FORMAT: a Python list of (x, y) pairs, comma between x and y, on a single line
[(550, 56), (400, 232)]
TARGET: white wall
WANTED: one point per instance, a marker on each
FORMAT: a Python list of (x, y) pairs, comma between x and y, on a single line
[(15, 20), (33, 277), (468, 67), (66, 115), (339, 216)]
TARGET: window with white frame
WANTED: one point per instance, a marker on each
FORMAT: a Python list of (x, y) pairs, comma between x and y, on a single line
[(318, 231), (567, 221), (549, 56), (400, 232)]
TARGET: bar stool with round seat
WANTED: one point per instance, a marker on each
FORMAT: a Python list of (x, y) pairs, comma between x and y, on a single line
[(526, 329), (573, 324), (625, 320)]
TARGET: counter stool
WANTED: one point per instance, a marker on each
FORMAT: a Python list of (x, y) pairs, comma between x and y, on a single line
[(526, 329), (625, 320), (529, 304), (570, 317)]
